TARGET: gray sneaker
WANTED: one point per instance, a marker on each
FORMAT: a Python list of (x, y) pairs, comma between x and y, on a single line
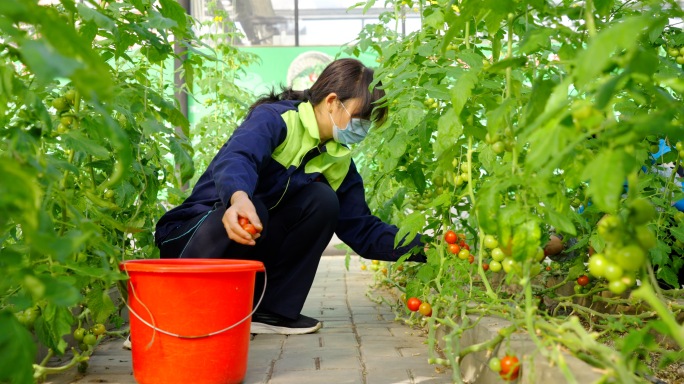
[(272, 323)]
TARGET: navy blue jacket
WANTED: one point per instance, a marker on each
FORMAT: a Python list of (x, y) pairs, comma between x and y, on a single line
[(273, 154)]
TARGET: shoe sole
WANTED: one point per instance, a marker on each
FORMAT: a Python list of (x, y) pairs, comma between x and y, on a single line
[(261, 328)]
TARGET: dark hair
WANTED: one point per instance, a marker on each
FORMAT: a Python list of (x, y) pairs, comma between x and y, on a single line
[(348, 78)]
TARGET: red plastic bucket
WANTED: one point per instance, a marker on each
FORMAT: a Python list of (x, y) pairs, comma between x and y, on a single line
[(183, 319)]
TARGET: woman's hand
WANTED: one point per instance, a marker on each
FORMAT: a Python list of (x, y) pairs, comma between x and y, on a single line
[(241, 206)]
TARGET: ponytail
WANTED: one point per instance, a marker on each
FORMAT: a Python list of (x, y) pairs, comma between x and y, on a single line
[(285, 94)]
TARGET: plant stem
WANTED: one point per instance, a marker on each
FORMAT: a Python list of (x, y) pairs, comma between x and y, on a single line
[(646, 293), (589, 15)]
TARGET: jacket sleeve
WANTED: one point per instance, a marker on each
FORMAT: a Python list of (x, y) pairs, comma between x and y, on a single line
[(365, 233), (239, 161)]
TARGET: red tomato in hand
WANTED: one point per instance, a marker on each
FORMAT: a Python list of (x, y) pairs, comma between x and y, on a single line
[(413, 304), (510, 368), (242, 221), (250, 228), (450, 237)]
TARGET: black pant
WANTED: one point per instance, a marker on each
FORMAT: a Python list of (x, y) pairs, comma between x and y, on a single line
[(291, 244)]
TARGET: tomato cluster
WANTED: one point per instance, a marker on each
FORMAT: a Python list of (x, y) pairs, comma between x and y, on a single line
[(508, 367), (627, 243), (415, 305), (457, 246), (677, 53), (88, 338), (501, 257), (63, 105), (501, 143)]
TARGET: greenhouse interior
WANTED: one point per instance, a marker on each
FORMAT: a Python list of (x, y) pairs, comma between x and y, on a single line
[(348, 191)]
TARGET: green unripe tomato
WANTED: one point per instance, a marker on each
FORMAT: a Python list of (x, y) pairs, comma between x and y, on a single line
[(617, 287), (613, 272), (79, 334), (630, 257), (490, 242), (508, 264), (495, 266), (70, 96), (60, 104), (673, 52), (680, 59), (597, 265), (89, 339), (498, 147), (497, 254), (495, 364)]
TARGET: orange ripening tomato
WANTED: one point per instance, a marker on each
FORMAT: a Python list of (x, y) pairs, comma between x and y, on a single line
[(454, 249)]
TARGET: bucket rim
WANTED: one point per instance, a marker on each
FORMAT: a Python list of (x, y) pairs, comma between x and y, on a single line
[(191, 265)]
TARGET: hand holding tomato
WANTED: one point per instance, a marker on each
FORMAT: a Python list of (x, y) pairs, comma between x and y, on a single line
[(241, 220)]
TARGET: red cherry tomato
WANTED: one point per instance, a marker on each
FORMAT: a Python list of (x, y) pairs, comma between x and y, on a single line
[(450, 237), (242, 221), (510, 368), (485, 266), (413, 304), (583, 280)]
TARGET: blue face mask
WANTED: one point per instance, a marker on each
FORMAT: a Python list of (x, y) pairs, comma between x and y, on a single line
[(353, 133)]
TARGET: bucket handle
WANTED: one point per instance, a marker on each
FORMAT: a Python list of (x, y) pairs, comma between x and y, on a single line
[(263, 292)]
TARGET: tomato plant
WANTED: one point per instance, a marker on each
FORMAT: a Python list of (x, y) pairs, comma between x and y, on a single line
[(532, 108), (96, 146)]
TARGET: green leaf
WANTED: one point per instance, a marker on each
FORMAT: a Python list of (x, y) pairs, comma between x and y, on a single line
[(20, 199), (52, 325), (17, 349), (546, 143), (668, 275), (449, 129), (100, 303), (511, 62), (560, 221), (426, 274), (606, 175), (81, 142), (411, 225), (61, 290), (435, 20), (415, 169), (173, 10), (622, 35), (462, 90), (678, 232), (90, 14), (536, 39), (45, 62), (182, 158)]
